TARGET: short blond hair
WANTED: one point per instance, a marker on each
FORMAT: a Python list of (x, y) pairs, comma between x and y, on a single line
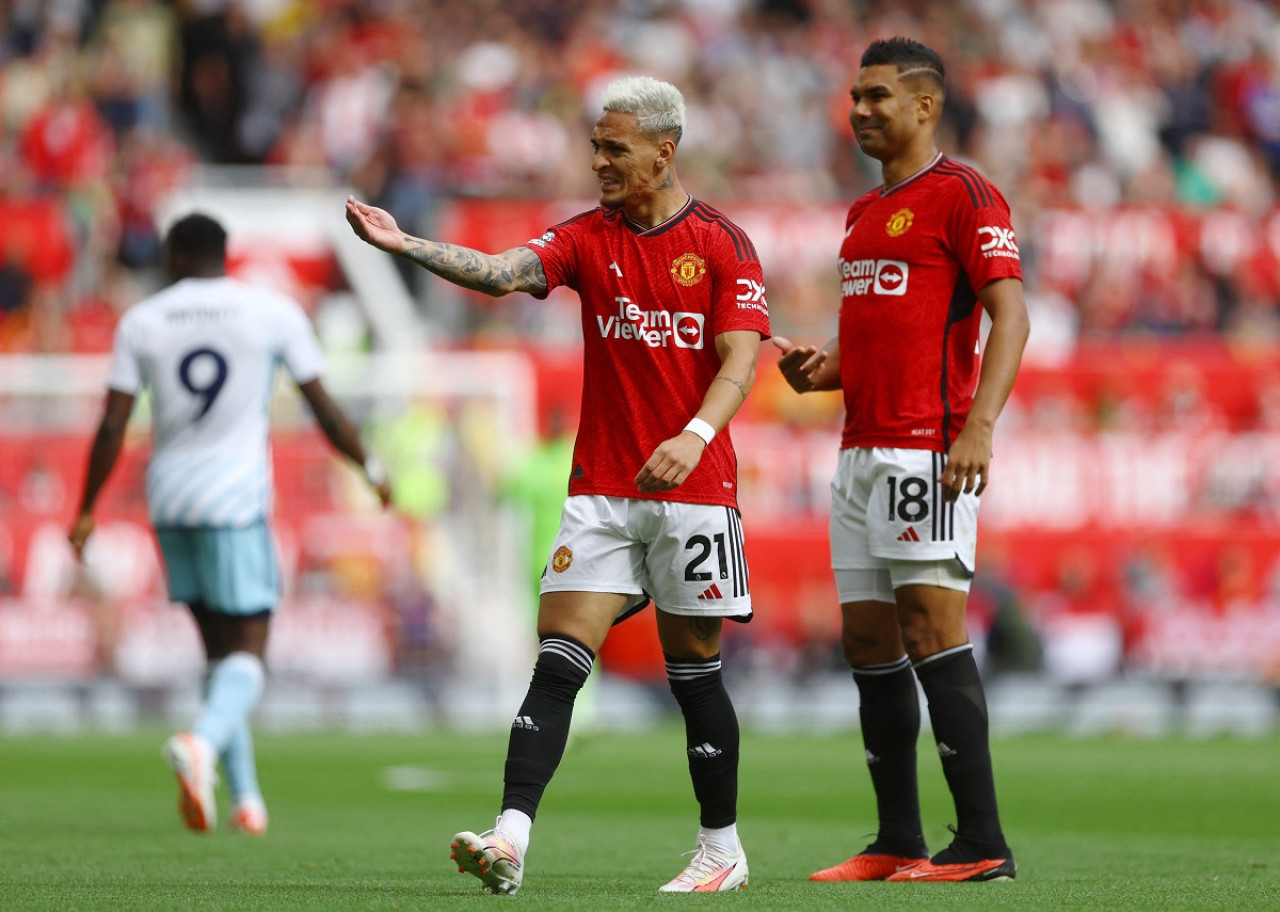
[(657, 105)]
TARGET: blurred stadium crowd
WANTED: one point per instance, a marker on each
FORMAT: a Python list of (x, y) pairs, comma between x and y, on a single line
[(1139, 141)]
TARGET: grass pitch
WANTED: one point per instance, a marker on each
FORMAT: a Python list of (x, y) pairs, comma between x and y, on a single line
[(364, 822)]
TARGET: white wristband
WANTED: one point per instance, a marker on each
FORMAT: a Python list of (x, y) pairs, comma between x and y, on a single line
[(374, 471), (702, 429)]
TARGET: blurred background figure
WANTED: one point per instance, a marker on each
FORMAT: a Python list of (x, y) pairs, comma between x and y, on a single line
[(205, 349)]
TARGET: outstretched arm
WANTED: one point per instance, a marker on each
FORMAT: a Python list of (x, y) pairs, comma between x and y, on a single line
[(337, 427), (676, 457), (518, 269), (102, 459)]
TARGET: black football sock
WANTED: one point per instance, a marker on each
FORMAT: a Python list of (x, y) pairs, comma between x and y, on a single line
[(890, 717), (711, 734), (958, 710), (541, 729)]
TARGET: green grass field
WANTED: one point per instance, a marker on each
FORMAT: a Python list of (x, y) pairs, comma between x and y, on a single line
[(364, 822)]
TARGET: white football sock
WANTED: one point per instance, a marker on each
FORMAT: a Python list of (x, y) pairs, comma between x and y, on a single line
[(515, 825), (722, 839)]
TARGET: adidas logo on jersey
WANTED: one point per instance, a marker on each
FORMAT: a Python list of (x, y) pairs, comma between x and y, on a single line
[(712, 593), (910, 535), (526, 723), (705, 751)]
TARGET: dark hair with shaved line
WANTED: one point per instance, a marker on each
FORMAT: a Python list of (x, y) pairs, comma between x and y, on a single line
[(913, 60)]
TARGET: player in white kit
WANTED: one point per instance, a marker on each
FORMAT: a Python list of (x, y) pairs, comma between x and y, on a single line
[(206, 347)]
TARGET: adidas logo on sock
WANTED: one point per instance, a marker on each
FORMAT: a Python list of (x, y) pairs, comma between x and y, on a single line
[(945, 751), (910, 535), (705, 751), (872, 758), (525, 722), (712, 593)]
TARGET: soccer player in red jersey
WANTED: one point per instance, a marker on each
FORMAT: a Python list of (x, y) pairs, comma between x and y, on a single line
[(920, 254), (673, 312)]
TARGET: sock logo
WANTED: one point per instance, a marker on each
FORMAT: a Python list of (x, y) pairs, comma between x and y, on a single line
[(945, 751), (525, 722), (705, 751), (872, 758)]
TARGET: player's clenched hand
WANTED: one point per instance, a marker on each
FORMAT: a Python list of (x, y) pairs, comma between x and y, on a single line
[(968, 464), (374, 225), (670, 463), (799, 363)]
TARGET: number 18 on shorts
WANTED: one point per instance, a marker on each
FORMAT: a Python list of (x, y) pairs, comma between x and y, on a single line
[(887, 505)]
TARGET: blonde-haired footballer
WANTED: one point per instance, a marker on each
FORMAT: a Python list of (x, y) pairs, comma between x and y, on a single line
[(673, 311)]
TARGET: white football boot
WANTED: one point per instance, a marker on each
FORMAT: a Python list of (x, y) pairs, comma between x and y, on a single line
[(711, 871), (490, 856), (248, 816), (195, 763)]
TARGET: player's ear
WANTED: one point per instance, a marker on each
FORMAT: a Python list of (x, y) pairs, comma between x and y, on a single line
[(666, 151), (927, 106)]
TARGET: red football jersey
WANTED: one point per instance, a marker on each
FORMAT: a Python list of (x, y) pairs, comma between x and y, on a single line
[(653, 301), (911, 263)]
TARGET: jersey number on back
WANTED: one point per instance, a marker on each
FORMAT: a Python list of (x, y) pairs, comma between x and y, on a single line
[(203, 371)]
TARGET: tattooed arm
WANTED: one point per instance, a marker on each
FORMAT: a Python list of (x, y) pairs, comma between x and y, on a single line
[(518, 269)]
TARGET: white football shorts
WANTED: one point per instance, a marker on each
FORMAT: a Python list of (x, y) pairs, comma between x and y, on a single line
[(687, 557), (889, 515)]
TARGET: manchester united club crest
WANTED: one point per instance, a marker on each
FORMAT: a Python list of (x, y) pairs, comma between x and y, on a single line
[(688, 269), (561, 560), (899, 223)]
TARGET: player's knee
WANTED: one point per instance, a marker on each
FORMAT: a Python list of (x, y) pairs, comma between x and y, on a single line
[(923, 640), (917, 631), (854, 648), (687, 637), (863, 647)]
